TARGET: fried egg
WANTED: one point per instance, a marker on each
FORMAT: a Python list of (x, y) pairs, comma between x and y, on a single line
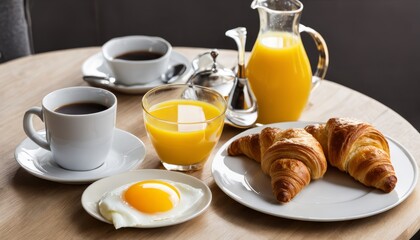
[(148, 202)]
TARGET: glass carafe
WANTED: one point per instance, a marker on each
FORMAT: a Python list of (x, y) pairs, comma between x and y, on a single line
[(279, 70)]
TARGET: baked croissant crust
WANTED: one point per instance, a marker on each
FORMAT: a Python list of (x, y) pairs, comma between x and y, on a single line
[(290, 157), (357, 148)]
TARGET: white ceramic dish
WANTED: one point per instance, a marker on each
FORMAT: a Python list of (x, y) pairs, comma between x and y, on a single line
[(94, 192), (335, 197), (127, 153), (96, 66)]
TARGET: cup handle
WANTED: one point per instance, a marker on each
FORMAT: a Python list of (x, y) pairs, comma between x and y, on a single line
[(29, 127), (323, 57)]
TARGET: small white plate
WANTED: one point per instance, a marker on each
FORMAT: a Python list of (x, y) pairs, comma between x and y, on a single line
[(127, 153), (335, 197), (94, 192), (96, 66)]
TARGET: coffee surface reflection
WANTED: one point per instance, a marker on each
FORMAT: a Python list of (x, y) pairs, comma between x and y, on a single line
[(81, 108), (139, 56)]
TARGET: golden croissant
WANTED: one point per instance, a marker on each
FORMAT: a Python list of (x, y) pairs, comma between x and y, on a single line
[(357, 148), (290, 157)]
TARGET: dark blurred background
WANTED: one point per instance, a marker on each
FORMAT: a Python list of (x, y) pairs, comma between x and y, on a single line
[(374, 44)]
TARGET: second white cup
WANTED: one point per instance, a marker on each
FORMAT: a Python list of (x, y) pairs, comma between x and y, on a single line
[(137, 59)]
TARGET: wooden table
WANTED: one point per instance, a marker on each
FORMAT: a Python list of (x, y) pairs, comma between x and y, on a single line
[(33, 208)]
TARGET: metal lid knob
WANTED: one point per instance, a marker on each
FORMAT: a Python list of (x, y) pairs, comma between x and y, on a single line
[(209, 73)]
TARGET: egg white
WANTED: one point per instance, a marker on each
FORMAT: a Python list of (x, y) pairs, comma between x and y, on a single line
[(113, 207)]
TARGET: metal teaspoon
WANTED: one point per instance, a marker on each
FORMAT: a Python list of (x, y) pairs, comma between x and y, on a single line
[(169, 76)]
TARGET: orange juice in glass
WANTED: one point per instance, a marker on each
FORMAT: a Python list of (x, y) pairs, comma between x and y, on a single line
[(184, 124)]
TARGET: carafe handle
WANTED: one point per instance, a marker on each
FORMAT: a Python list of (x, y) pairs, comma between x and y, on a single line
[(323, 57)]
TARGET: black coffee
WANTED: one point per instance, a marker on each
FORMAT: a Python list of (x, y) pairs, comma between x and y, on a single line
[(81, 108), (139, 55)]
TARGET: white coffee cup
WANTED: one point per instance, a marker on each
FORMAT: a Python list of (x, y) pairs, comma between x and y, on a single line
[(132, 72), (77, 141)]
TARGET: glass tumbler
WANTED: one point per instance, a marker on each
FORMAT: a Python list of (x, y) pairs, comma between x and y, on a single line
[(184, 123)]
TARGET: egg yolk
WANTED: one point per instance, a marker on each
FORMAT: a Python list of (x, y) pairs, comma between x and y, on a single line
[(152, 196)]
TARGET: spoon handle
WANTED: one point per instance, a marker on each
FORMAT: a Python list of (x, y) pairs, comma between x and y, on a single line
[(242, 105), (239, 35)]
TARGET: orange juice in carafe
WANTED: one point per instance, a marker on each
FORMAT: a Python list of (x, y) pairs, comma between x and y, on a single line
[(278, 70), (280, 76)]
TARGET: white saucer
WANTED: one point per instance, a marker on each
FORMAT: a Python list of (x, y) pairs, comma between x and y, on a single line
[(96, 66), (127, 153), (94, 192)]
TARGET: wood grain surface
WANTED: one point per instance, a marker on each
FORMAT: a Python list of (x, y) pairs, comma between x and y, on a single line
[(33, 208)]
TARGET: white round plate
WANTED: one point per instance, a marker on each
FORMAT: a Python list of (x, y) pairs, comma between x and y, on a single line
[(94, 192), (96, 66), (127, 153), (335, 197)]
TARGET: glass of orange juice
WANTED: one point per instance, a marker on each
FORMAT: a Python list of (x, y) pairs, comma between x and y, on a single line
[(184, 123)]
